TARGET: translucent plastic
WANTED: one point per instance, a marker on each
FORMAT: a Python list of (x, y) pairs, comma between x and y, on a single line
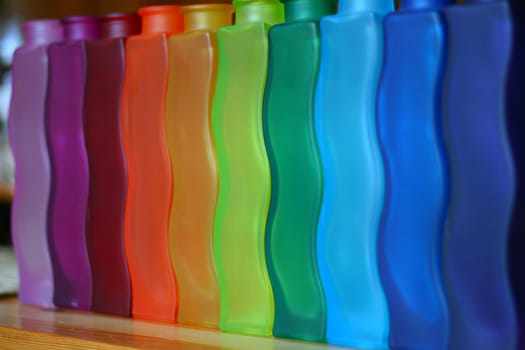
[(515, 105), (351, 61), (244, 173), (483, 181), (27, 137), (154, 291), (69, 165), (300, 310), (191, 83), (409, 121), (107, 167)]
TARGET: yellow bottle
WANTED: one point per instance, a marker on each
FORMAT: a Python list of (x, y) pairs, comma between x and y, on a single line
[(191, 83)]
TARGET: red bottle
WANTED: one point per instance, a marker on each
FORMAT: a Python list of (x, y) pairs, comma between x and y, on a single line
[(154, 292), (107, 169)]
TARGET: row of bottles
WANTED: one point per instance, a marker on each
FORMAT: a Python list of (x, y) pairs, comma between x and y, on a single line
[(351, 175)]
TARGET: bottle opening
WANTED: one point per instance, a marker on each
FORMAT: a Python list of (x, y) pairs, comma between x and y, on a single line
[(161, 19), (43, 32), (81, 27), (207, 16), (120, 25)]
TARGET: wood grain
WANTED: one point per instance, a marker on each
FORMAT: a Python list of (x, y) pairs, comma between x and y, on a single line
[(26, 327)]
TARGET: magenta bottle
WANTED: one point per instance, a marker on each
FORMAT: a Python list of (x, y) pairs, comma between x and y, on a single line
[(29, 145), (69, 164), (107, 169)]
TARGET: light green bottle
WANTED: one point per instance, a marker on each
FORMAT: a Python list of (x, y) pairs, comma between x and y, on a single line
[(247, 304)]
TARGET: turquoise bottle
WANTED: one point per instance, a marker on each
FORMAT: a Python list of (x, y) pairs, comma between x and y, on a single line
[(294, 55), (345, 121)]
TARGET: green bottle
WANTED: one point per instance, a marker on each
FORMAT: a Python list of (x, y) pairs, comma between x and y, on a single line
[(244, 173), (300, 310)]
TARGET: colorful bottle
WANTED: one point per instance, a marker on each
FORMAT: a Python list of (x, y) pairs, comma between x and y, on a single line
[(107, 170), (482, 177), (516, 129), (191, 83), (351, 61), (154, 292), (27, 136), (409, 122), (300, 309), (69, 164), (244, 173)]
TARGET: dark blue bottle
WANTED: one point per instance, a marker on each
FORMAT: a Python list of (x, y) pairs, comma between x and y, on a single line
[(482, 177), (515, 106), (409, 246)]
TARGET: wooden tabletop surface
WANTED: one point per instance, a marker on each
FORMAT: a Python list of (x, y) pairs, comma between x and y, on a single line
[(25, 327)]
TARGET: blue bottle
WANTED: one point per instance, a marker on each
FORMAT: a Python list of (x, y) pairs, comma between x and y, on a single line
[(409, 246), (351, 61), (515, 105), (482, 177)]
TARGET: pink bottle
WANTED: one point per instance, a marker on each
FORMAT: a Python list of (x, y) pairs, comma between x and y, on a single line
[(32, 168)]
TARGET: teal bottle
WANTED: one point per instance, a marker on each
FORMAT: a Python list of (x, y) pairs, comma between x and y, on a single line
[(294, 55), (354, 184)]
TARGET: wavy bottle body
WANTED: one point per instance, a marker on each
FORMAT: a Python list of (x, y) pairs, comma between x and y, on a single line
[(107, 170), (192, 71), (482, 178), (69, 165), (417, 187), (351, 59), (244, 174), (300, 310), (27, 136), (154, 292)]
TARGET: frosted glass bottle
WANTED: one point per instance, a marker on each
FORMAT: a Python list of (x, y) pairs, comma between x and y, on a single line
[(244, 173), (351, 62), (409, 121), (295, 49), (191, 83), (107, 171), (482, 175), (514, 106), (69, 165), (153, 287), (26, 126)]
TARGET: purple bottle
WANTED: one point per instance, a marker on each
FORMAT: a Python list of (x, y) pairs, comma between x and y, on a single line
[(107, 167), (69, 164), (28, 141)]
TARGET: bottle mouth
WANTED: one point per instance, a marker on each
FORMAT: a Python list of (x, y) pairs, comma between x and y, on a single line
[(161, 19), (120, 24), (207, 17), (43, 31), (81, 27), (258, 11)]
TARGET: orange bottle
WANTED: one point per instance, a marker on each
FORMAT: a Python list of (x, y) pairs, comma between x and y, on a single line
[(154, 291), (191, 83)]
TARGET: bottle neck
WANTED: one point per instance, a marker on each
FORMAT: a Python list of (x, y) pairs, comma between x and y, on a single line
[(350, 7), (161, 19), (258, 11), (81, 28), (206, 16), (424, 4), (119, 25), (43, 32), (308, 10)]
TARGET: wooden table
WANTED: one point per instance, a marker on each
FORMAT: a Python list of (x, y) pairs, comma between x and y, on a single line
[(25, 327)]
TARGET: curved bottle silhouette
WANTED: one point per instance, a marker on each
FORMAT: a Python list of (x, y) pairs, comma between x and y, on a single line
[(154, 292), (516, 129), (107, 171), (191, 83), (69, 164), (409, 120), (26, 125), (482, 177), (244, 174), (351, 61), (300, 310)]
